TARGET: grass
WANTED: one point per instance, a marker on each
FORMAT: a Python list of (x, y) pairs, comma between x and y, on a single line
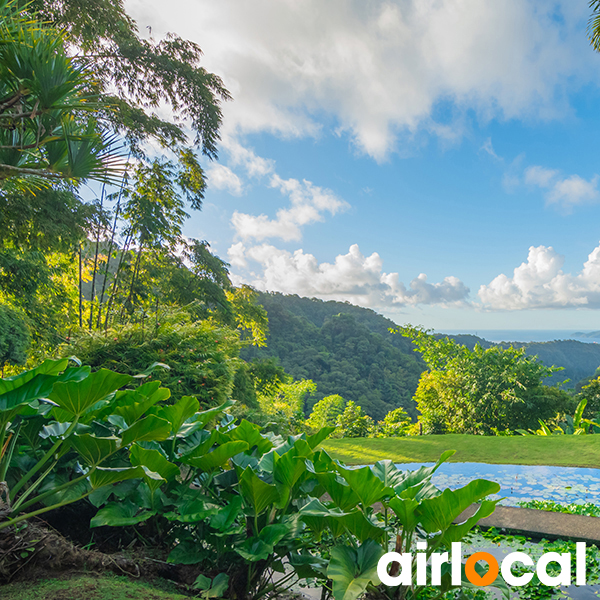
[(106, 587), (562, 451)]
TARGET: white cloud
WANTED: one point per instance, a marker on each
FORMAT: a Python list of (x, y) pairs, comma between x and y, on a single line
[(565, 192), (308, 204), (353, 277), (573, 191), (221, 177), (489, 148), (539, 176), (541, 283), (380, 69)]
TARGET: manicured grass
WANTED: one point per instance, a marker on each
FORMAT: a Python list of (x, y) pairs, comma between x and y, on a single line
[(563, 450), (85, 587)]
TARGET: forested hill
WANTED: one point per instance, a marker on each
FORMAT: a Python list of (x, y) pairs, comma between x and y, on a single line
[(348, 350), (578, 359), (344, 349)]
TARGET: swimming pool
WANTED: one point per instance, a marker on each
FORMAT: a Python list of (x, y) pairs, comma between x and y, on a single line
[(521, 483)]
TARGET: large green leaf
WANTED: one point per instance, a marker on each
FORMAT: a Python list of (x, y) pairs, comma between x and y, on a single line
[(48, 367), (177, 414), (250, 433), (388, 472), (108, 476), (405, 511), (192, 511), (256, 493), (120, 514), (437, 514), (366, 485), (39, 386), (133, 404), (224, 519), (262, 546), (339, 491), (455, 533), (413, 478), (352, 570), (207, 416), (93, 449), (217, 457), (155, 462), (76, 397), (148, 429), (315, 439)]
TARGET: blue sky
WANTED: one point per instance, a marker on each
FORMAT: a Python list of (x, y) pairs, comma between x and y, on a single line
[(435, 160)]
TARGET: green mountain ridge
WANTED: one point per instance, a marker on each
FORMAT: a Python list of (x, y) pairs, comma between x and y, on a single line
[(349, 350)]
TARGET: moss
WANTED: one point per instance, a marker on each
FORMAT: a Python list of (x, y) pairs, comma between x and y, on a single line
[(106, 587)]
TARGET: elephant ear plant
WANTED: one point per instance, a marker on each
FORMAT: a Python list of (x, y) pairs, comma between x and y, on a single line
[(56, 415), (258, 513)]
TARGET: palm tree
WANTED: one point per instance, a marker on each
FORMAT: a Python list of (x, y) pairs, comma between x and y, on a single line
[(47, 126)]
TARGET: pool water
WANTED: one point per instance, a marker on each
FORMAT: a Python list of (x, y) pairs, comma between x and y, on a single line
[(520, 483)]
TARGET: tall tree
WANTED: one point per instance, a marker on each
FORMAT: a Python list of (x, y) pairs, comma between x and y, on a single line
[(136, 76), (48, 130)]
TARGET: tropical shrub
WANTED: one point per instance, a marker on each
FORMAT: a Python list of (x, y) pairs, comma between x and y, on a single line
[(325, 412), (353, 423), (245, 506), (396, 423), (202, 356), (63, 435), (481, 390)]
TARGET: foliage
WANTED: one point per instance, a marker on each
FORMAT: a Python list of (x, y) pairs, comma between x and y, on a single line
[(284, 404), (241, 504), (396, 423), (47, 128), (344, 349), (588, 509), (137, 76), (479, 390), (14, 337), (63, 436), (591, 393), (572, 425), (325, 412), (202, 356), (353, 423)]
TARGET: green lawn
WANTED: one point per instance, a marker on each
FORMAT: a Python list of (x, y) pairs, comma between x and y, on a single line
[(563, 450), (86, 587)]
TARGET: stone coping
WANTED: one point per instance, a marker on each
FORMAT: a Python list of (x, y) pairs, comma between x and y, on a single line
[(540, 523)]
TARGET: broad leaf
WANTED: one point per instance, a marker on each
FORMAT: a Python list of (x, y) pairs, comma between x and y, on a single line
[(217, 457), (352, 570), (256, 493), (154, 461), (105, 476), (120, 514), (148, 429), (366, 485), (93, 449), (76, 397), (437, 514)]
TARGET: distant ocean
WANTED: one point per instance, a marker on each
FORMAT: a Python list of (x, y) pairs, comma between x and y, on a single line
[(526, 335)]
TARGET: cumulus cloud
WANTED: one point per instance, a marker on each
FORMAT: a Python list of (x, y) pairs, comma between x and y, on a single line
[(541, 283), (308, 203), (221, 177), (565, 192), (380, 69), (353, 277)]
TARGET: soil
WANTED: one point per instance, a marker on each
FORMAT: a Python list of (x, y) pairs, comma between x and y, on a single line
[(35, 551)]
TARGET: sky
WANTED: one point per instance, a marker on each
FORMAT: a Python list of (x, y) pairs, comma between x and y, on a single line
[(434, 160)]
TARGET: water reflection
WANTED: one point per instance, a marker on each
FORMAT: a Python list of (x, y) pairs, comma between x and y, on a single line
[(520, 483)]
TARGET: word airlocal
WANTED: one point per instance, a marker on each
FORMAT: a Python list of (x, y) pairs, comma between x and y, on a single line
[(436, 559)]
